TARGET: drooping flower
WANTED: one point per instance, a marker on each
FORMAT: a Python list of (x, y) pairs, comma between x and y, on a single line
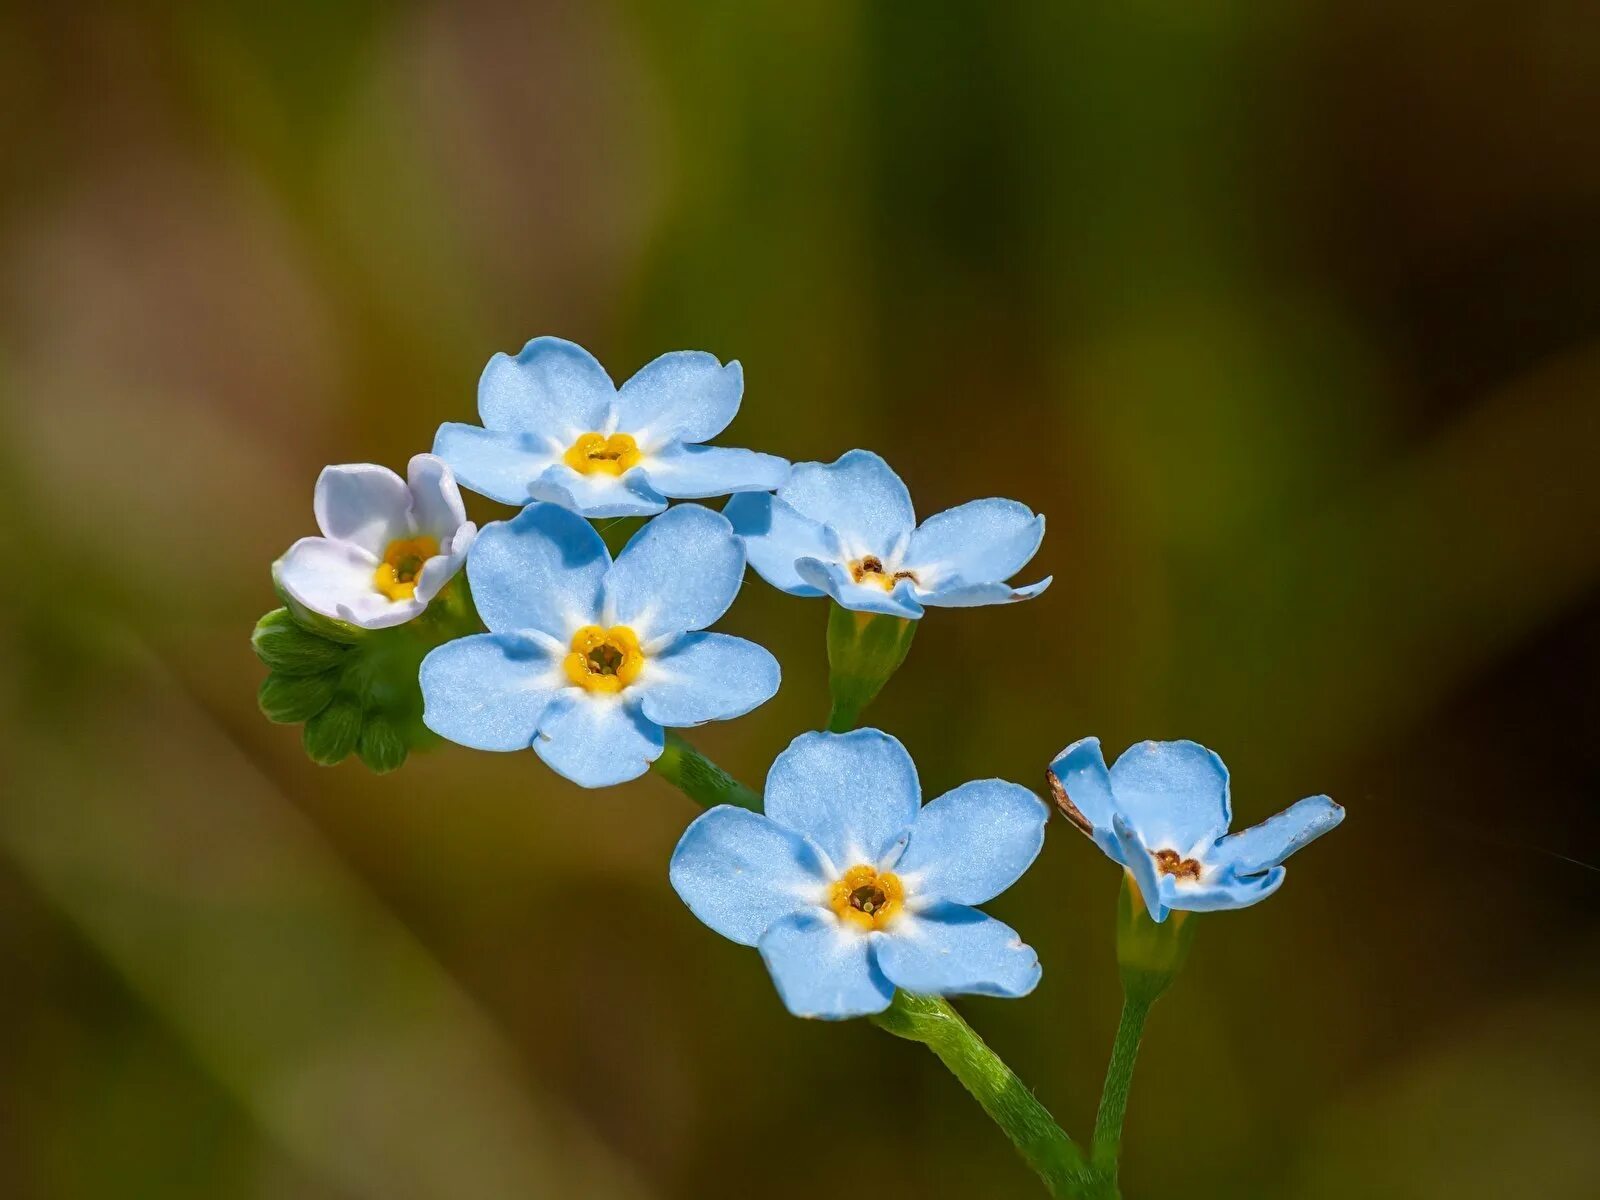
[(846, 529), (555, 428), (851, 887), (1163, 812), (586, 660), (388, 546)]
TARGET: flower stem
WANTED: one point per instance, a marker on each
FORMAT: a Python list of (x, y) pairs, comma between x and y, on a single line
[(1043, 1146), (697, 777), (1119, 1077)]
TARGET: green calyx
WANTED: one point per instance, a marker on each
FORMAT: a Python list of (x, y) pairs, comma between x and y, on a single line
[(864, 650), (1149, 954), (355, 691)]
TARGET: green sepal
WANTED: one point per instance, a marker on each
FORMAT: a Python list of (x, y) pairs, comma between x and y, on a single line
[(864, 650), (356, 689), (1149, 954), (290, 649), (290, 699), (331, 735), (381, 745)]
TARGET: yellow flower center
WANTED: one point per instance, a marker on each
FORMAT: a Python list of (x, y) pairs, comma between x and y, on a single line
[(396, 576), (866, 898), (870, 570), (604, 660), (597, 454)]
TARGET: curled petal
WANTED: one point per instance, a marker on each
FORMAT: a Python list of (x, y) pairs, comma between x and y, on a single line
[(689, 472), (836, 581), (363, 504)]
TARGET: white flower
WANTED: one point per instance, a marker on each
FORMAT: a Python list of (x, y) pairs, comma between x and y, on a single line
[(388, 547)]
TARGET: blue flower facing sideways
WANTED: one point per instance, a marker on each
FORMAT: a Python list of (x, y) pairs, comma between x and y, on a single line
[(556, 428), (1163, 812), (846, 529), (851, 887), (586, 660)]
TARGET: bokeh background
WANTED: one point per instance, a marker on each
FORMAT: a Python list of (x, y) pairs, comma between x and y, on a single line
[(1287, 315)]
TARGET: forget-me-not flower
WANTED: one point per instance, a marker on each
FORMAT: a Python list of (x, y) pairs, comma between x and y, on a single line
[(851, 888), (587, 659), (556, 428), (1163, 812), (388, 545), (847, 529)]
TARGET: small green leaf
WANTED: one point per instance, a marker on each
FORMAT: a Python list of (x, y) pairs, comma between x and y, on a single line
[(380, 746), (290, 699), (331, 735), (286, 647)]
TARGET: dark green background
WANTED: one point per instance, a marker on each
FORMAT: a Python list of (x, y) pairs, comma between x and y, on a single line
[(1287, 315)]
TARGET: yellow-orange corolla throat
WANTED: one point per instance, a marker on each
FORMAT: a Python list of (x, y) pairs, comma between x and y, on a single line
[(867, 898), (597, 454), (396, 576), (871, 570), (604, 660)]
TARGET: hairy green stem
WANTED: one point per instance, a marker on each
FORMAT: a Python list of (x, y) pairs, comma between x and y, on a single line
[(1054, 1157), (1107, 1141), (697, 777)]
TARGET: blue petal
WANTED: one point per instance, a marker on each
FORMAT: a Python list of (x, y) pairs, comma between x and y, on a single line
[(494, 464), (543, 569), (680, 572), (598, 495), (553, 388), (1225, 893), (973, 843), (833, 579), (950, 949), (775, 536), (976, 595), (707, 677), (739, 872), (852, 794), (1174, 793), (1136, 856), (597, 741), (983, 541), (1082, 788), (489, 691), (823, 970), (1264, 846), (860, 497), (696, 472), (685, 396)]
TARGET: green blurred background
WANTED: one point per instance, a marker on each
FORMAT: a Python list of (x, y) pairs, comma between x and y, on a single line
[(1287, 315)]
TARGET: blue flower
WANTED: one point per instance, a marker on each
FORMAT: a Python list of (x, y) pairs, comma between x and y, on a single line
[(587, 659), (847, 529), (851, 888), (389, 545), (1163, 812), (556, 428)]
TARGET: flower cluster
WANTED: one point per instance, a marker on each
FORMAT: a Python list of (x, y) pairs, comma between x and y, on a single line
[(849, 886)]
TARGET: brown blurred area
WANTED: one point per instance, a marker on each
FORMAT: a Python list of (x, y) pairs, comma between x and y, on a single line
[(1288, 316)]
